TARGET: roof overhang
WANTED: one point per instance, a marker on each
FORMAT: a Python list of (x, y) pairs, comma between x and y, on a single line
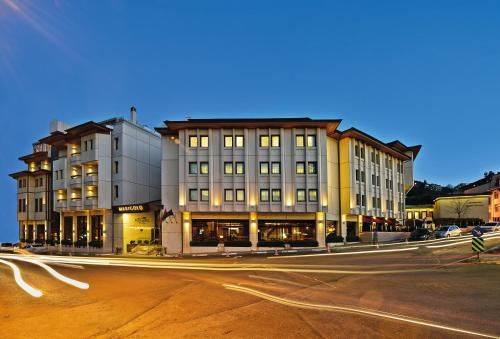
[(37, 156), (59, 139), (25, 173)]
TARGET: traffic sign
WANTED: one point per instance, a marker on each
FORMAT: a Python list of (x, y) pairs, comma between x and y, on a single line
[(477, 231), (478, 245)]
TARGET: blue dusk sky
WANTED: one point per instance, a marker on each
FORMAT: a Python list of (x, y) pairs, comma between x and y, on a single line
[(424, 72)]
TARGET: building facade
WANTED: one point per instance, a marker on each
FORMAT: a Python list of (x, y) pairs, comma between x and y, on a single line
[(463, 210), (495, 203), (252, 183)]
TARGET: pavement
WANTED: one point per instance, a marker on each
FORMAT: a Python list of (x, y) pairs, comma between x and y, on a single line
[(415, 290)]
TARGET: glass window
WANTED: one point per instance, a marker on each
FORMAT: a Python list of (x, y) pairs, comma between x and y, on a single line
[(116, 167), (275, 141), (227, 230), (193, 195), (116, 191), (264, 141), (301, 195), (240, 168), (275, 168), (20, 183), (264, 195), (312, 167), (311, 141), (204, 141), (362, 152), (204, 194), (228, 168), (193, 141), (203, 167), (239, 141), (240, 195), (287, 230), (300, 167), (264, 168), (313, 195), (358, 199), (116, 143), (228, 195), (276, 195), (356, 150), (193, 168), (299, 141), (228, 141)]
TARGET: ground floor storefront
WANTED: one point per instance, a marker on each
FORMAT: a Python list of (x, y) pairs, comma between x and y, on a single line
[(33, 231)]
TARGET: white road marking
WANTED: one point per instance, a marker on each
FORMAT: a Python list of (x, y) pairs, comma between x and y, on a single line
[(20, 282), (331, 308), (456, 243), (344, 253)]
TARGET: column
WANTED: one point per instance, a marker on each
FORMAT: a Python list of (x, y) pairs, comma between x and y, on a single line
[(61, 229), (320, 229), (45, 230), (88, 228), (73, 237), (253, 231), (186, 232), (343, 227), (360, 225)]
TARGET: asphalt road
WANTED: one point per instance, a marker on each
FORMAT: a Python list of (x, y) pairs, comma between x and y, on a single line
[(417, 293)]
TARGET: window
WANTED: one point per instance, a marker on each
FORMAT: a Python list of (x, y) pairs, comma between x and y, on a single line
[(193, 195), (363, 176), (362, 152), (374, 202), (36, 205), (193, 168), (24, 204), (264, 141), (116, 143), (228, 141), (374, 179), (378, 159), (116, 191), (363, 200), (264, 195), (116, 167), (25, 181), (240, 195), (85, 145), (313, 195), (204, 141), (300, 168), (356, 150), (358, 199), (228, 168), (264, 168), (301, 195), (193, 141), (373, 157), (228, 195), (312, 167), (41, 182), (275, 141), (239, 141), (240, 168), (204, 194), (275, 168), (203, 167), (378, 180), (357, 175), (57, 175), (299, 141), (91, 144), (276, 195), (20, 183), (311, 141), (20, 205), (61, 174)]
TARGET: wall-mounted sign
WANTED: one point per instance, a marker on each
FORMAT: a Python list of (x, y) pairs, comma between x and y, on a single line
[(139, 208)]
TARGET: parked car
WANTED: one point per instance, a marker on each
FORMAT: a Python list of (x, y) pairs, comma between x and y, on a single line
[(36, 248), (448, 231), (6, 247), (491, 226), (421, 234)]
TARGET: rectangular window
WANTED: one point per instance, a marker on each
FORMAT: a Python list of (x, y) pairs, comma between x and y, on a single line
[(204, 194), (358, 199), (374, 180), (363, 200), (312, 167), (61, 174), (57, 175), (228, 195), (311, 141), (20, 183), (36, 205), (204, 141), (264, 195), (378, 180), (240, 195), (264, 141), (373, 157), (378, 158), (116, 144), (299, 141), (300, 167), (357, 175), (203, 167), (116, 191), (362, 152), (193, 141), (275, 168), (239, 141), (91, 144), (313, 195), (264, 168), (374, 202), (363, 176), (276, 195), (85, 145), (228, 168), (228, 141), (193, 168), (356, 150), (301, 195), (116, 167), (275, 141), (193, 195), (41, 182), (240, 167), (24, 204)]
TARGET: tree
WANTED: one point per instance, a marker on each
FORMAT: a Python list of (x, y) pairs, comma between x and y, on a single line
[(460, 207)]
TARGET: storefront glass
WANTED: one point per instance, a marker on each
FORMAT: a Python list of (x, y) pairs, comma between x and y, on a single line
[(81, 229), (68, 228), (287, 230), (204, 230)]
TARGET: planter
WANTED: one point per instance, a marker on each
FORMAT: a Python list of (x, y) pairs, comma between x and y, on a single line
[(271, 243), (237, 243), (204, 243), (304, 243)]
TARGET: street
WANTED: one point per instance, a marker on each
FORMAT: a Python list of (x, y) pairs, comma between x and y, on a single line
[(416, 290)]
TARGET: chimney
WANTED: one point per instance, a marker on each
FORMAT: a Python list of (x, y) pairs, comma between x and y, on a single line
[(133, 114)]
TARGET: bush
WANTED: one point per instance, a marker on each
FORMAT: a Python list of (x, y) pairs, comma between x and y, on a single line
[(81, 243), (334, 238), (352, 238), (39, 241), (304, 243), (237, 243), (95, 243), (271, 243), (198, 243), (50, 242), (66, 242)]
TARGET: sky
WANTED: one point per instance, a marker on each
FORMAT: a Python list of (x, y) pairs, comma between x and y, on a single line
[(423, 72)]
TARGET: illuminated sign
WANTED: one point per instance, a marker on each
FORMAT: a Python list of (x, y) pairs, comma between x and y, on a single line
[(131, 208)]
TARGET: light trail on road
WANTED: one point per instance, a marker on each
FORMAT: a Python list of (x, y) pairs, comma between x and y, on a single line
[(456, 243), (345, 253), (20, 281), (345, 309)]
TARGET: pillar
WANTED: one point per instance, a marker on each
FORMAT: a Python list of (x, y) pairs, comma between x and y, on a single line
[(360, 225), (186, 232), (73, 237), (253, 230), (45, 227), (320, 229), (61, 229), (343, 227), (88, 227)]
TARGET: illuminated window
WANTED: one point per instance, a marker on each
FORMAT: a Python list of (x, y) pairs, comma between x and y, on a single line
[(264, 168), (228, 141), (193, 141), (193, 168), (193, 195), (311, 141), (240, 195), (275, 168), (264, 195), (300, 167), (204, 194), (275, 141), (264, 141), (239, 141), (203, 167), (228, 168), (299, 141), (240, 167), (301, 195), (276, 195), (313, 195), (312, 167), (228, 195), (204, 141)]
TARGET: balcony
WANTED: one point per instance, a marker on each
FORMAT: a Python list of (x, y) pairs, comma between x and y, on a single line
[(91, 179), (75, 180), (75, 159), (91, 202), (75, 203), (61, 204)]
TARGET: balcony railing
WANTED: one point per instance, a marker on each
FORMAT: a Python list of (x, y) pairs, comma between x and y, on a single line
[(75, 158), (61, 203), (75, 180), (91, 202), (75, 203), (91, 178)]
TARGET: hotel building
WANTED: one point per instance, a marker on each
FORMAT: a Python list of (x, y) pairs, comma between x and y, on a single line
[(252, 183)]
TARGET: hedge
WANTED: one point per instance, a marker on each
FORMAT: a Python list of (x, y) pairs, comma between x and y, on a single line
[(237, 243), (304, 243), (197, 243), (334, 238), (271, 243), (95, 243), (352, 238), (66, 242)]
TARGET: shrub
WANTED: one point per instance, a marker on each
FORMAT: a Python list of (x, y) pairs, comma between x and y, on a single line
[(50, 242), (198, 243), (271, 243), (304, 243), (81, 243), (352, 238), (66, 242), (237, 243), (334, 238), (39, 241), (95, 243)]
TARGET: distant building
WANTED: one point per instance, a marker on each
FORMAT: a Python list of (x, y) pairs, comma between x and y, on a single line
[(495, 203), (482, 185), (463, 209)]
